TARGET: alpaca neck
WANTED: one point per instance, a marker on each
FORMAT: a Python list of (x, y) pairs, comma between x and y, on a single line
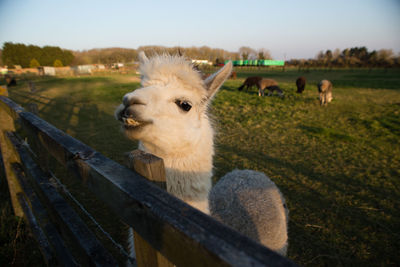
[(188, 173)]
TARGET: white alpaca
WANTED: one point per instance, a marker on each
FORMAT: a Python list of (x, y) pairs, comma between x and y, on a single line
[(168, 115), (325, 92)]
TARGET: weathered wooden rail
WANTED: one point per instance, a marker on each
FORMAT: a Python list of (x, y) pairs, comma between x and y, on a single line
[(178, 232)]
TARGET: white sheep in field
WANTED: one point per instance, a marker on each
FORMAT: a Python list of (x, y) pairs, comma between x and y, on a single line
[(325, 92), (169, 117)]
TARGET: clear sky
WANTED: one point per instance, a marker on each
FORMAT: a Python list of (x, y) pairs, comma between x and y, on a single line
[(295, 28)]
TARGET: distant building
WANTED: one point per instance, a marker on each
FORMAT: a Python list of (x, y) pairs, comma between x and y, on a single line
[(83, 69), (4, 70), (201, 61), (47, 71), (117, 65), (64, 71), (100, 67)]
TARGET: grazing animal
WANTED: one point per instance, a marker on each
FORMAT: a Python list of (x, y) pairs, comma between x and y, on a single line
[(300, 83), (325, 92), (250, 82), (169, 117), (10, 80), (270, 85)]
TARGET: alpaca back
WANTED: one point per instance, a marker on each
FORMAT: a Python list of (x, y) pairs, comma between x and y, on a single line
[(249, 202), (250, 81), (264, 83)]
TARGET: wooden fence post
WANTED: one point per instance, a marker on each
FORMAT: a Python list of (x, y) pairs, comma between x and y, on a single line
[(9, 156), (152, 168)]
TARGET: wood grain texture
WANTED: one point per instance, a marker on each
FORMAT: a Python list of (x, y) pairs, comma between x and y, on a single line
[(152, 168), (9, 157)]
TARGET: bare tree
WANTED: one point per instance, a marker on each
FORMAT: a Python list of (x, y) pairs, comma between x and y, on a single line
[(264, 54), (385, 57), (247, 53)]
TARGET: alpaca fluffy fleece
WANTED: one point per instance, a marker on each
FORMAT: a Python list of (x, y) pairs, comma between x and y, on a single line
[(166, 69), (184, 140), (249, 202), (325, 92), (188, 172)]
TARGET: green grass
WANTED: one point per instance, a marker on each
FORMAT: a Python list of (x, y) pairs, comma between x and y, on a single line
[(15, 238), (337, 166)]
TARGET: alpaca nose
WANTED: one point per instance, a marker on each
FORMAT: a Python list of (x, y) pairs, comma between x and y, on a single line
[(128, 112), (126, 101), (129, 100)]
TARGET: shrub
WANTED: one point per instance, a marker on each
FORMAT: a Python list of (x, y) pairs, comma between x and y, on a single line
[(58, 63), (34, 63)]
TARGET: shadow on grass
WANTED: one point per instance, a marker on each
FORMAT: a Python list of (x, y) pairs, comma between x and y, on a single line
[(333, 208), (326, 133)]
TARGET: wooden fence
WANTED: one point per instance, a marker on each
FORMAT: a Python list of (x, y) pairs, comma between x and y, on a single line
[(167, 231)]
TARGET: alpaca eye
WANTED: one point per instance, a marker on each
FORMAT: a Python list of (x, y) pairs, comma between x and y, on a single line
[(184, 105)]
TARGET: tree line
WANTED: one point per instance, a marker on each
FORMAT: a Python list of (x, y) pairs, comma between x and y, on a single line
[(124, 55), (351, 57), (34, 56)]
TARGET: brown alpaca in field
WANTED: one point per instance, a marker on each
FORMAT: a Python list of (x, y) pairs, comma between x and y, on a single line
[(250, 82), (270, 85), (10, 80), (300, 83)]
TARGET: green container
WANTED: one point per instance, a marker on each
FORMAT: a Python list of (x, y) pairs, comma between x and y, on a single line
[(245, 62), (274, 63)]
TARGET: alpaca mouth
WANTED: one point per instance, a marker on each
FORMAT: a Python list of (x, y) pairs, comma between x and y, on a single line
[(130, 123)]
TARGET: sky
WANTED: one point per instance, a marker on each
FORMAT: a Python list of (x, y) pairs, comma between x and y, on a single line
[(287, 28)]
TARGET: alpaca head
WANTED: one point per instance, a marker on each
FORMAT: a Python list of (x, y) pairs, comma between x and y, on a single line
[(169, 112)]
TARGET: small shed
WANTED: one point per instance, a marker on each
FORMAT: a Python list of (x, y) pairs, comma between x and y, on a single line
[(47, 71), (83, 69)]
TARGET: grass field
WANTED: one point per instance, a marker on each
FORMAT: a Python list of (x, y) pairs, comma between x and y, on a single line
[(337, 166)]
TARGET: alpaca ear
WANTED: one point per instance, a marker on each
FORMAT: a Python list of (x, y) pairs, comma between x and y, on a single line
[(142, 57), (215, 81)]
